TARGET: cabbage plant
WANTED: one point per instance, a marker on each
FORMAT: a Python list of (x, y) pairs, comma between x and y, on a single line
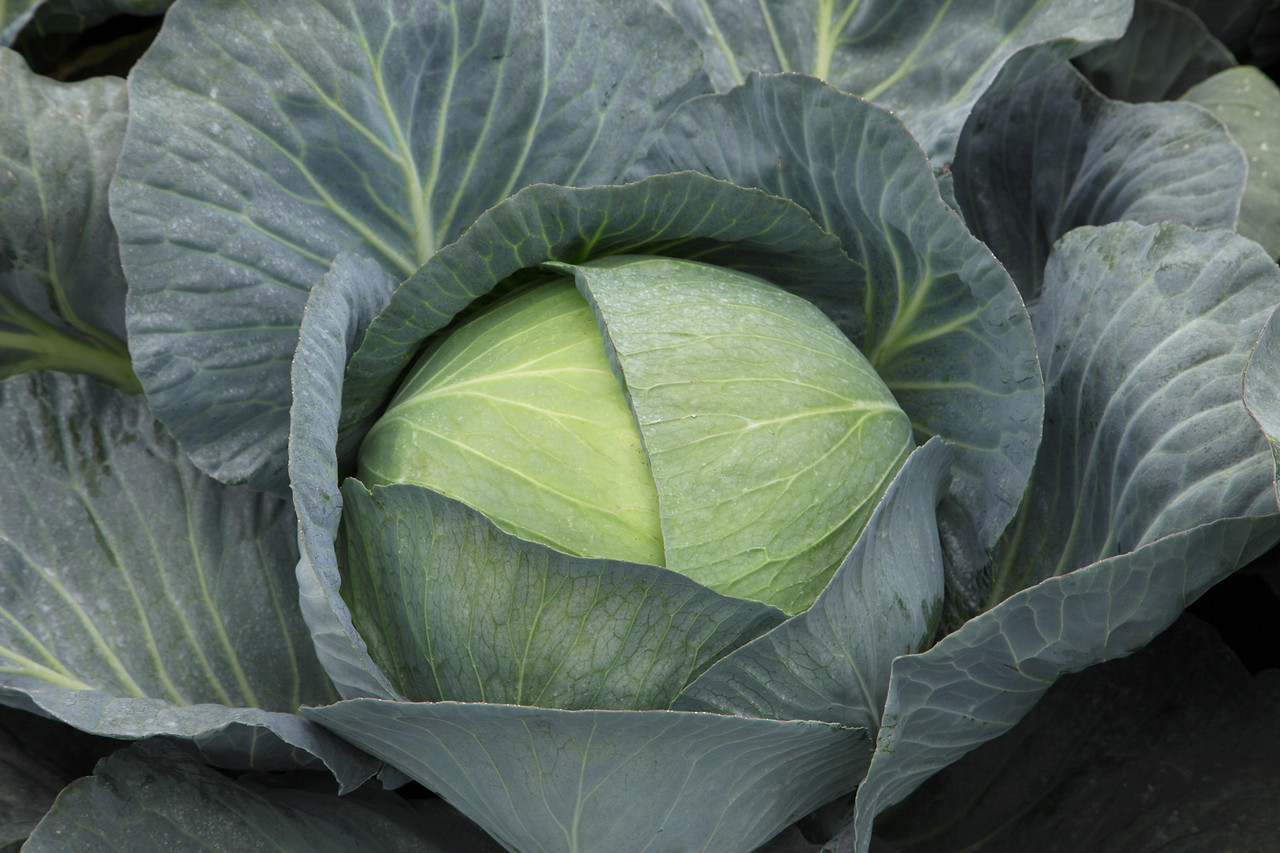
[(643, 425)]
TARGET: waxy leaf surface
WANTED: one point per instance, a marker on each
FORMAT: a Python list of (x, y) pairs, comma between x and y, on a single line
[(1145, 331), (153, 796), (263, 141), (454, 608), (618, 780), (927, 60), (137, 595)]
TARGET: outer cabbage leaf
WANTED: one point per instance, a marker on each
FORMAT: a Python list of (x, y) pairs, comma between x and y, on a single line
[(1146, 331), (264, 141), (935, 314), (610, 780), (1051, 154), (927, 61), (61, 287), (832, 661), (153, 796), (456, 609), (1165, 52), (1247, 102), (683, 215), (1148, 450), (140, 597)]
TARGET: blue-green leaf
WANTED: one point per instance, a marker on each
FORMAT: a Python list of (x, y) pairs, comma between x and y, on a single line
[(61, 286), (1165, 51), (140, 597), (1150, 476), (1051, 154), (936, 315), (929, 60), (539, 779), (263, 141), (832, 661), (1145, 332)]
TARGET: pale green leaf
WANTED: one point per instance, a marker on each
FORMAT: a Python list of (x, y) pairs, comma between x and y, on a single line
[(770, 437), (935, 314), (1247, 102), (832, 662)]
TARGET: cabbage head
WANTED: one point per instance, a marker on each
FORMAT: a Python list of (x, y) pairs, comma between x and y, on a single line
[(706, 402)]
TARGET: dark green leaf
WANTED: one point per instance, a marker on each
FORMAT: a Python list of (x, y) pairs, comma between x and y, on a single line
[(38, 758), (1051, 154), (1165, 51), (154, 796), (978, 682), (1173, 748)]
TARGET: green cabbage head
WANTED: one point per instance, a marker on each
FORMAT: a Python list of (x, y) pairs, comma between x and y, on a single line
[(659, 411)]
